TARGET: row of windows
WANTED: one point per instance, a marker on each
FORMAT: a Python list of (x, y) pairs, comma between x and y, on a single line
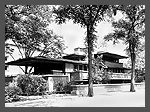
[(85, 68), (80, 67)]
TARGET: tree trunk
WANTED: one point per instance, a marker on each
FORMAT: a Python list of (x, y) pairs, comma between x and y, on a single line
[(26, 69), (30, 70), (90, 86), (132, 86)]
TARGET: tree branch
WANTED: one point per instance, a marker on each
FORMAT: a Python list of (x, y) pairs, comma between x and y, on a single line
[(18, 48), (32, 52), (14, 60), (30, 69), (140, 22), (100, 6)]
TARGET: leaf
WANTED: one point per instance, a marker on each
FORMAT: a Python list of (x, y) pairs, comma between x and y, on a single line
[(29, 33)]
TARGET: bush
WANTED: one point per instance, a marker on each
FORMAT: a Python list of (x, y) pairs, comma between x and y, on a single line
[(105, 79), (24, 82), (59, 86), (39, 85), (63, 88), (139, 79), (59, 81), (11, 92), (97, 80), (67, 87), (31, 85)]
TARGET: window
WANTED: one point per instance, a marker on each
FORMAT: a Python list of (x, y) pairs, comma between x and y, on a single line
[(75, 67), (6, 67), (80, 67), (85, 67)]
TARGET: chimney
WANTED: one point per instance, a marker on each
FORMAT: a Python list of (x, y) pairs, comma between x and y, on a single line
[(79, 51)]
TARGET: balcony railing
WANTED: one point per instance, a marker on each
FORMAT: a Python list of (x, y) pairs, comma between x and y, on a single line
[(83, 75), (120, 76)]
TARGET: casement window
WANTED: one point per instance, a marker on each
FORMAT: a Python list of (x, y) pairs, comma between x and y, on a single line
[(80, 67), (85, 68)]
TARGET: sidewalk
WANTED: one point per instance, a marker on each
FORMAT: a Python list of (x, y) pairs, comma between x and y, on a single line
[(112, 99)]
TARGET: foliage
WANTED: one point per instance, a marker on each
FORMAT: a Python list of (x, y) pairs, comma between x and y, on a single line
[(59, 81), (39, 85), (61, 87), (97, 79), (139, 79), (105, 78), (140, 61), (130, 29), (11, 92), (24, 81), (97, 62), (87, 16), (14, 14), (99, 75), (27, 27), (25, 85), (61, 84), (31, 85), (14, 18), (67, 87)]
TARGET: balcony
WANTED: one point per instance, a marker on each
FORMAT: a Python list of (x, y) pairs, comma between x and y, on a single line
[(123, 76), (83, 75)]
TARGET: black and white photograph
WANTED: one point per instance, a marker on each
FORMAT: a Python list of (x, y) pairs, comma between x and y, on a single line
[(74, 55)]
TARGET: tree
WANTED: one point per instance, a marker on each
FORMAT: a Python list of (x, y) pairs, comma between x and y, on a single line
[(98, 72), (26, 26), (140, 58), (87, 16), (15, 13), (130, 29)]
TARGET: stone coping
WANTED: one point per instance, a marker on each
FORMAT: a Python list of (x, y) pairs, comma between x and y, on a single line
[(95, 85)]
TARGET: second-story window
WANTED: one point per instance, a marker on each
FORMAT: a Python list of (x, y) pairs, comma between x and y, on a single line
[(80, 67), (85, 67), (75, 67)]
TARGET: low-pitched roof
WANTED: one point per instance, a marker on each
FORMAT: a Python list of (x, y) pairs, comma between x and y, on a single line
[(31, 61), (111, 55), (74, 56)]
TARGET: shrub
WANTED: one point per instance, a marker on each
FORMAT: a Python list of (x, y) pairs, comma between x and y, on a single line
[(105, 79), (63, 88), (31, 85), (59, 81), (11, 92), (59, 86), (67, 87), (97, 80), (139, 79), (39, 85)]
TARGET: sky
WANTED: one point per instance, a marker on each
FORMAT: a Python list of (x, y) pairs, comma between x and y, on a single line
[(74, 36)]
